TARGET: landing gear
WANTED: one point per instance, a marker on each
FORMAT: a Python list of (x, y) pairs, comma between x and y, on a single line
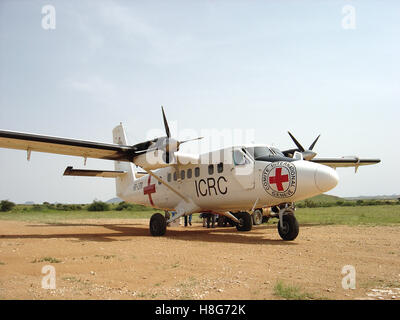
[(245, 221), (265, 219), (288, 227), (257, 217), (158, 225)]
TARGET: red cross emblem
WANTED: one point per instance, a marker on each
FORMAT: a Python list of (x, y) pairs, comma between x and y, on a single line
[(279, 179), (149, 189)]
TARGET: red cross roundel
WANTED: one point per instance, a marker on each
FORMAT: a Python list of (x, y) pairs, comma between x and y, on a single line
[(279, 179)]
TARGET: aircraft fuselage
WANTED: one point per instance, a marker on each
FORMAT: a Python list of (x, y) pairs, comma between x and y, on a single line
[(233, 187)]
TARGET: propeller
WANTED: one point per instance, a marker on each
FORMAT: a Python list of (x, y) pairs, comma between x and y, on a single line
[(165, 123), (308, 154), (167, 144), (171, 145)]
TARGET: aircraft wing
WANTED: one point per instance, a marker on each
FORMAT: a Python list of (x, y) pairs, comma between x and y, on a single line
[(345, 162), (87, 149)]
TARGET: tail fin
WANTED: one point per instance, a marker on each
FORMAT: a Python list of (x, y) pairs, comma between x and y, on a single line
[(125, 182)]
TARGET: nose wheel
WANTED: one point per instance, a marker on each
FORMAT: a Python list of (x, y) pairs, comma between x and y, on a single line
[(288, 227)]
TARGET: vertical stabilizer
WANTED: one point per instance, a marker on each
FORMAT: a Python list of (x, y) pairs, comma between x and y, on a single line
[(123, 184)]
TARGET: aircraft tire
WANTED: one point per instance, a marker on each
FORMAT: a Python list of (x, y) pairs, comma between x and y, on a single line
[(290, 228), (246, 221), (257, 217), (158, 225)]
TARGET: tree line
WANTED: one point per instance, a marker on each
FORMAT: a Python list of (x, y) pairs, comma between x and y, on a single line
[(6, 205)]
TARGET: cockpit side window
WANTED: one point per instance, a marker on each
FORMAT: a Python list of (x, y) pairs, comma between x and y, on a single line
[(238, 158)]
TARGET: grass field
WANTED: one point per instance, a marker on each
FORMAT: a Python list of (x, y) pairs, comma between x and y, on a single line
[(357, 215), (59, 215)]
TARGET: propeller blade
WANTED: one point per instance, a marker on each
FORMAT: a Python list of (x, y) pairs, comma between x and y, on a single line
[(313, 144), (180, 142), (167, 157), (296, 142), (165, 123)]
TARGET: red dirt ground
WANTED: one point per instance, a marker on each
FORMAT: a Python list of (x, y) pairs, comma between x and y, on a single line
[(117, 259)]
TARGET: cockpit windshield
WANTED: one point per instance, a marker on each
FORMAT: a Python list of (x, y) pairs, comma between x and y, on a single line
[(277, 151), (258, 152)]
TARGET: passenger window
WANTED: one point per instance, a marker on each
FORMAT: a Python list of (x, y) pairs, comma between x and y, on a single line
[(196, 172), (220, 167), (238, 158), (169, 177), (182, 174), (189, 173), (211, 169), (175, 176)]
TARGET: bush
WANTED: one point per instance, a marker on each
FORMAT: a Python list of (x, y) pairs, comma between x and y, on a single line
[(6, 205), (69, 207), (124, 206), (98, 206)]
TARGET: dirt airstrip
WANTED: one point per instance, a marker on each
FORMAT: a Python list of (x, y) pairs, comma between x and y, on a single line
[(117, 259)]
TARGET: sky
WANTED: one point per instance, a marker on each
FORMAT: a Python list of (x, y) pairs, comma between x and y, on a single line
[(264, 67)]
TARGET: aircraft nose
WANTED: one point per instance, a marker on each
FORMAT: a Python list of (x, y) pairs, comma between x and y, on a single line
[(325, 178)]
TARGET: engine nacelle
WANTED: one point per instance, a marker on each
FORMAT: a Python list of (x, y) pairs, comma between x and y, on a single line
[(154, 160), (157, 159)]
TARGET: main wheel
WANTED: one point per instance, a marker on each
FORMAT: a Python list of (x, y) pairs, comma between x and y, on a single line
[(257, 217), (158, 225), (245, 221), (290, 228)]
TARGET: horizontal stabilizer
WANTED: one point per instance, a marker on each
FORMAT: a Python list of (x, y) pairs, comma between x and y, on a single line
[(70, 171)]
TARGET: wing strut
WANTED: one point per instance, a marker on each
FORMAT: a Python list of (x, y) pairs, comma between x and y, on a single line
[(167, 185)]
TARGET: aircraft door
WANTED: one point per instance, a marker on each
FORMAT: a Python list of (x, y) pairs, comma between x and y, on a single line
[(243, 168)]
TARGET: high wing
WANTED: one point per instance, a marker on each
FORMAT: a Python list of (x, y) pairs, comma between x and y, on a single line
[(309, 154), (65, 146), (89, 149), (345, 162)]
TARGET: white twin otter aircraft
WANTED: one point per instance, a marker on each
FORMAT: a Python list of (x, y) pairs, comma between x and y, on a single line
[(233, 182)]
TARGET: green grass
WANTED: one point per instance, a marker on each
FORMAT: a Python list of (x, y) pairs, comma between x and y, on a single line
[(354, 215), (291, 292), (358, 215), (380, 283), (47, 259), (54, 216), (323, 198)]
